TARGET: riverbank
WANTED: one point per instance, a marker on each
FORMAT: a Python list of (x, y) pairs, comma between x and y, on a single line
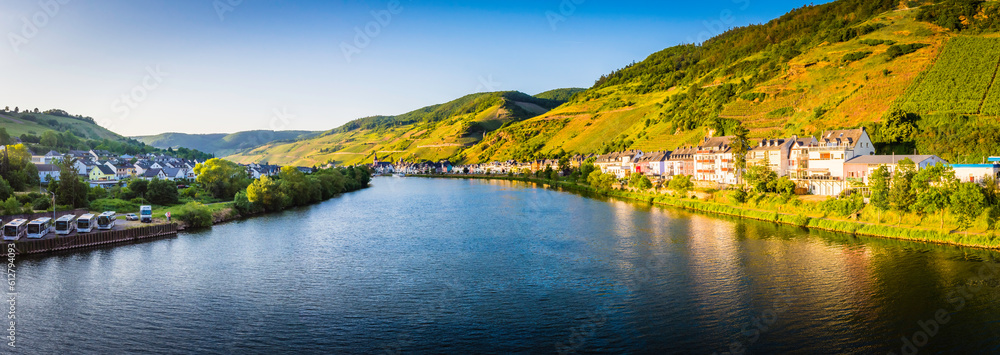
[(974, 240)]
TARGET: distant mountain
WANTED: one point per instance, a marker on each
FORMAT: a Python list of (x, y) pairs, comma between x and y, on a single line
[(433, 132), (222, 144)]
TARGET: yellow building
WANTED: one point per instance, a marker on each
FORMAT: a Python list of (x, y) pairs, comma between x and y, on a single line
[(102, 173)]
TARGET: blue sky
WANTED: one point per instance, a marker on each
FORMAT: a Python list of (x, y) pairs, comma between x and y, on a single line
[(208, 66)]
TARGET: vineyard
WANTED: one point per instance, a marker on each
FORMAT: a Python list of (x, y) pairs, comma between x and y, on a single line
[(764, 118), (991, 106), (959, 80)]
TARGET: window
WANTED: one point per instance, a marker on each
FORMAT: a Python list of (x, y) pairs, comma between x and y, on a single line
[(824, 156)]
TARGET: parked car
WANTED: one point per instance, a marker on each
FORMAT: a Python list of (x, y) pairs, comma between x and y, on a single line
[(131, 217)]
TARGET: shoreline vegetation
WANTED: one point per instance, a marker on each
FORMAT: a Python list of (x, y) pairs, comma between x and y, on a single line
[(708, 201), (251, 197), (268, 194)]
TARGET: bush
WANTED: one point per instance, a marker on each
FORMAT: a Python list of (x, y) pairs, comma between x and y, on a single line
[(798, 220), (113, 205), (738, 196), (243, 205), (41, 204), (195, 215), (162, 192)]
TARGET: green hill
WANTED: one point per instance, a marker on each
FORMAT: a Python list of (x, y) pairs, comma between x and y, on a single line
[(36, 124), (850, 63), (57, 130), (433, 132), (222, 144), (560, 94)]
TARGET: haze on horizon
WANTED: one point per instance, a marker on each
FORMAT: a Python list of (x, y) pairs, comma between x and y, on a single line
[(210, 66)]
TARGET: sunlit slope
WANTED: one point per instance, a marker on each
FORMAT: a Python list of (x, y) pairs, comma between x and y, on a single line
[(222, 144), (819, 86), (839, 65), (431, 133)]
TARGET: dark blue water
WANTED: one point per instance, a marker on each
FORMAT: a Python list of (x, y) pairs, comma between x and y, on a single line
[(453, 266)]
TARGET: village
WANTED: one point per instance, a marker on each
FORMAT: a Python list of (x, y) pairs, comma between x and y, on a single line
[(100, 168), (827, 166)]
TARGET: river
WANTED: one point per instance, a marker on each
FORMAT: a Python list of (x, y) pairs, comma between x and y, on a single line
[(416, 265)]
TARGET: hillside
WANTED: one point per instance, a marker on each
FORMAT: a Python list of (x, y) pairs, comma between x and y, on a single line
[(560, 94), (931, 65), (433, 132), (840, 65), (222, 144), (35, 124)]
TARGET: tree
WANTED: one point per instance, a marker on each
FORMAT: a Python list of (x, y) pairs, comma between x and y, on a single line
[(587, 167), (11, 206), (878, 182), (640, 181), (600, 181), (741, 146), (162, 192), (901, 194), (222, 178), (139, 187), (266, 193), (5, 190), (933, 187), (295, 186), (967, 203), (50, 139), (760, 177), (564, 164), (785, 187), (899, 126), (5, 137), (681, 184)]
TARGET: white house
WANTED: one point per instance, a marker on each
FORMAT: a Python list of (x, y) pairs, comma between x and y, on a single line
[(774, 153), (47, 172), (861, 168), (655, 163), (174, 173), (714, 161), (834, 148), (976, 173), (151, 174)]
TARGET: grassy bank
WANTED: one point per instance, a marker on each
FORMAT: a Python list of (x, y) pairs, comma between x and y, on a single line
[(802, 214)]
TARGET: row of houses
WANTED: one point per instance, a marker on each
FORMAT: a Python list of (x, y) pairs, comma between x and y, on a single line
[(102, 168), (826, 165)]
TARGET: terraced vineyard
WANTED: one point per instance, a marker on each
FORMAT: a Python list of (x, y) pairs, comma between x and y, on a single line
[(763, 118), (991, 106), (959, 81)]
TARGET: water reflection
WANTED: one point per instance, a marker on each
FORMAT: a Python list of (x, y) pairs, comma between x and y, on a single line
[(473, 266)]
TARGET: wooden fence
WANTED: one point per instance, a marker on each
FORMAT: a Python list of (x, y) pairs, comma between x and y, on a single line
[(93, 239)]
